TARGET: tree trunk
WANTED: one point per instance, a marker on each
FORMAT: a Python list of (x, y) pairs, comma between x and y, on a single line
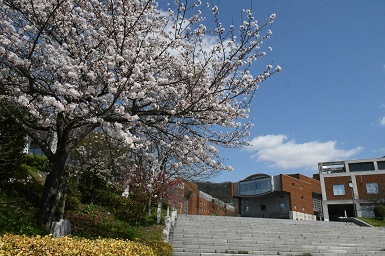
[(52, 190)]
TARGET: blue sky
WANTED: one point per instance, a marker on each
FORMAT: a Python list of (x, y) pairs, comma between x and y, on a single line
[(328, 101)]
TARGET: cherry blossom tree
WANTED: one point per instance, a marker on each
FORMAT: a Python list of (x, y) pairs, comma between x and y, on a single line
[(150, 77)]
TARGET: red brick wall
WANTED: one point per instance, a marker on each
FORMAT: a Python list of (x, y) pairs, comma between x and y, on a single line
[(205, 206), (197, 204), (362, 180), (208, 207), (330, 181), (315, 185), (300, 188), (177, 198), (193, 200)]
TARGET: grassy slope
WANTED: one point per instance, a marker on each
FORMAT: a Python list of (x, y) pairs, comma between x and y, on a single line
[(18, 217), (374, 222)]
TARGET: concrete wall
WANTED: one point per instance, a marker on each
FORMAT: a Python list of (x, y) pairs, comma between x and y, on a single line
[(294, 215), (267, 206)]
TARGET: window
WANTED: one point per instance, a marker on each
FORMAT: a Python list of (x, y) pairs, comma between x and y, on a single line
[(246, 209), (317, 203), (246, 188), (256, 186), (282, 206), (360, 167), (372, 188), (338, 190), (262, 185), (263, 207)]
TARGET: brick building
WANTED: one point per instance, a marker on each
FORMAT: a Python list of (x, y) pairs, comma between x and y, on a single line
[(293, 196), (351, 188), (190, 200)]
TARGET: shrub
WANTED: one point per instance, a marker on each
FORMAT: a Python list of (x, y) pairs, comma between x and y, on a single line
[(379, 211), (93, 221), (17, 216), (73, 200), (26, 180), (23, 245), (160, 248), (36, 162)]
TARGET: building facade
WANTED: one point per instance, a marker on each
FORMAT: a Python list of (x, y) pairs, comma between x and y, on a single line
[(351, 188), (293, 196), (190, 200)]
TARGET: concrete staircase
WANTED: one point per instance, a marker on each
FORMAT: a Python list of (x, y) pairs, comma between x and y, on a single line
[(196, 235)]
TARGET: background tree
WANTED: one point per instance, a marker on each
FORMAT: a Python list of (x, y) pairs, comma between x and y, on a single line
[(12, 144), (12, 140), (71, 66)]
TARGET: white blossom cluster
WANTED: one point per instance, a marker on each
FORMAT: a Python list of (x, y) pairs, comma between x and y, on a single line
[(161, 83)]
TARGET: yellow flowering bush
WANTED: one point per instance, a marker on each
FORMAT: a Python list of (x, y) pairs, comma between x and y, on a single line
[(160, 248), (47, 245)]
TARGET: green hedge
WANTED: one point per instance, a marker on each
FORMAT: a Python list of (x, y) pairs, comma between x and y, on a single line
[(379, 211)]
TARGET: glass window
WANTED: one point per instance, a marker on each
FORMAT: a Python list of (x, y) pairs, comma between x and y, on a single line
[(381, 165), (263, 184), (246, 188), (372, 188), (255, 187), (360, 167), (282, 206), (338, 190)]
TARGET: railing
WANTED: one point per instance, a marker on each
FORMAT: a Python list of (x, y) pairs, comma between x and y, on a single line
[(169, 222)]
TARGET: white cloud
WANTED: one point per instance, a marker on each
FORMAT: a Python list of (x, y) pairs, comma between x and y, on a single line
[(288, 154), (382, 121)]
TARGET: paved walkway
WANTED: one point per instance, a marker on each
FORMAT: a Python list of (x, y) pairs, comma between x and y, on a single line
[(196, 235)]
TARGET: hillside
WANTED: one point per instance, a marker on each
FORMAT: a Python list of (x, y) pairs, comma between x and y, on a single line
[(221, 191)]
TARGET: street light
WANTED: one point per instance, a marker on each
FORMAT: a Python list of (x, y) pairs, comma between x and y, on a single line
[(353, 197)]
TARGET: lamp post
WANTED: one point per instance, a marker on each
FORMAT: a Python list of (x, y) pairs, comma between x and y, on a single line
[(353, 197)]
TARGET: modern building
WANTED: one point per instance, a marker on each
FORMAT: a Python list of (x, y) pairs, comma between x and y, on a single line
[(188, 199), (293, 196), (351, 188)]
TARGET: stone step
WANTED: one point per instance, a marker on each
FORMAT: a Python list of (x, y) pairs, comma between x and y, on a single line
[(215, 235)]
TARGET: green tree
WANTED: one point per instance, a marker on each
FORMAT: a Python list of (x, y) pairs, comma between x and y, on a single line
[(12, 143)]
